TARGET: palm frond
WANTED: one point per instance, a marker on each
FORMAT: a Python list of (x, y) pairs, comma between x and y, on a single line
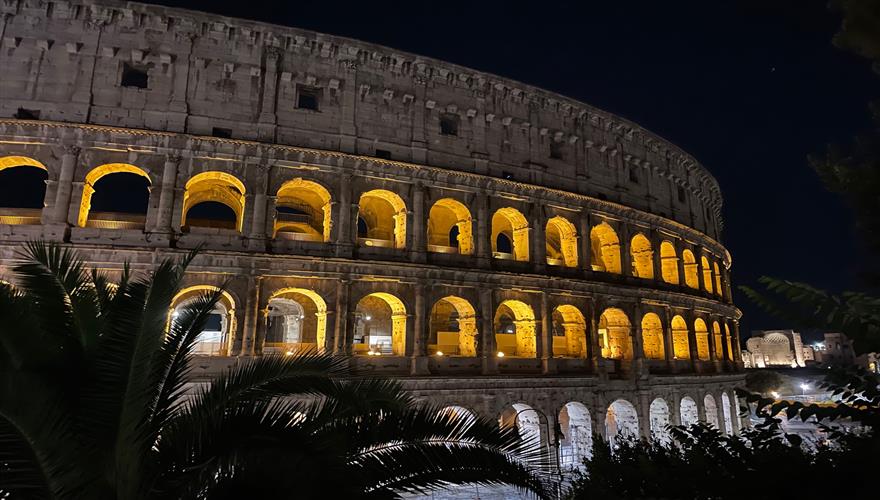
[(20, 473)]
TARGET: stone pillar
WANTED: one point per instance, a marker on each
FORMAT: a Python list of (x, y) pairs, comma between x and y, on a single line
[(340, 327), (698, 256), (537, 240), (484, 224), (166, 194), (737, 347), (251, 316), (419, 248), (598, 360), (267, 119), (675, 410), (584, 253), (656, 261), (626, 260), (419, 357), (487, 331), (644, 411), (64, 187), (692, 344), (668, 345), (546, 340), (341, 229), (640, 365), (679, 253)]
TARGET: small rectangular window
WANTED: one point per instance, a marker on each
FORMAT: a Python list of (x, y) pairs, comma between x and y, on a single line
[(27, 114), (134, 77), (223, 133), (383, 154), (307, 98), (449, 124), (556, 151), (681, 196)]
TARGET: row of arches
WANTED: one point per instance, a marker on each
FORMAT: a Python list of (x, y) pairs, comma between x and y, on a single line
[(576, 426), (297, 318), (117, 196)]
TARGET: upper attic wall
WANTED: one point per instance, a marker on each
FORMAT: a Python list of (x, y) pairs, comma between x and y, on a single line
[(209, 74)]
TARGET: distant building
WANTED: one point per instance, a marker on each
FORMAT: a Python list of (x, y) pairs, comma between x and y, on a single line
[(767, 348), (836, 350)]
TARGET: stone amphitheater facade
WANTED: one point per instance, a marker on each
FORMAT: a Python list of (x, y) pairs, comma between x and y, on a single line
[(501, 249)]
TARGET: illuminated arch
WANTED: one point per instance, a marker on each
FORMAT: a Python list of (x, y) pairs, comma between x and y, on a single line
[(701, 332), (718, 289), (642, 257), (680, 345), (453, 327), (570, 328), (303, 207), (707, 274), (384, 214), (652, 337), (668, 263), (688, 411), (729, 342), (30, 187), (378, 329), (218, 187), (525, 419), (97, 174), (210, 342), (319, 310), (20, 161), (614, 334), (512, 224), (562, 242), (621, 421), (716, 335), (659, 420), (604, 249), (515, 329), (725, 410), (690, 269), (576, 441), (711, 411), (450, 227)]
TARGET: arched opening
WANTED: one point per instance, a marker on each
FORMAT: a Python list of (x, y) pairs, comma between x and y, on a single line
[(384, 216), (380, 325), (729, 342), (22, 190), (707, 274), (690, 269), (452, 328), (725, 410), (642, 257), (511, 225), (689, 413), (450, 228), (460, 412), (576, 442), (711, 411), (718, 289), (652, 337), (604, 249), (659, 414), (515, 333), (562, 242), (621, 421), (296, 320), (680, 345), (569, 332), (668, 263), (115, 196), (525, 419), (302, 211), (716, 336), (213, 200), (701, 332), (215, 337), (614, 334)]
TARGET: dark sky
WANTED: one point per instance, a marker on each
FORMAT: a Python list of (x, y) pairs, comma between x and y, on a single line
[(749, 88)]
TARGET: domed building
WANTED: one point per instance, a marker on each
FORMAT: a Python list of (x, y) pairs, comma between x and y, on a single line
[(501, 249)]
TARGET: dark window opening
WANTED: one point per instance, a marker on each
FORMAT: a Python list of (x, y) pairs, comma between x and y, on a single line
[(507, 175), (681, 195), (556, 151), (453, 237), (27, 114), (134, 77), (362, 228), (383, 154), (633, 176), (281, 209), (211, 214), (213, 323), (503, 244), (23, 187), (307, 98), (223, 133), (122, 192), (449, 124)]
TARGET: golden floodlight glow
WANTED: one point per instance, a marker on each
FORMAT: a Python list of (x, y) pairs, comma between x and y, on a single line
[(500, 354)]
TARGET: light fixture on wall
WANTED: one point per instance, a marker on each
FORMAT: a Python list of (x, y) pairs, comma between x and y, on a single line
[(500, 354)]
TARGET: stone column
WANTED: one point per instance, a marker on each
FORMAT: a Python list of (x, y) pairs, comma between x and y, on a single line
[(418, 226), (692, 344), (698, 256), (419, 357), (668, 345), (546, 340), (626, 260), (595, 347), (341, 229), (65, 185), (251, 316), (484, 224), (656, 261), (679, 253), (166, 194), (644, 411), (537, 240), (340, 327), (267, 120), (640, 365), (584, 241), (487, 331)]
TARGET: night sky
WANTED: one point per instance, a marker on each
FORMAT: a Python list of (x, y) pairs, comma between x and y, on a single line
[(749, 88)]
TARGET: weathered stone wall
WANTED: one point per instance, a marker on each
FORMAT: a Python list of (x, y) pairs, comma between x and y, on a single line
[(208, 74)]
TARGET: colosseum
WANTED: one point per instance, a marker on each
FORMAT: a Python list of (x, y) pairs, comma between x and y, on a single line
[(499, 248)]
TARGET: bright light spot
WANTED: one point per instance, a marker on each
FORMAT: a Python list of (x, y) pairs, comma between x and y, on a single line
[(439, 353), (500, 354), (775, 394), (288, 353), (174, 315), (368, 317), (805, 386)]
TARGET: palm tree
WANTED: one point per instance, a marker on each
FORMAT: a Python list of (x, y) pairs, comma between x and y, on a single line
[(96, 402)]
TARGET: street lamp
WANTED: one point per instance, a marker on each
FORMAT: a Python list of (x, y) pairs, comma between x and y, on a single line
[(804, 388)]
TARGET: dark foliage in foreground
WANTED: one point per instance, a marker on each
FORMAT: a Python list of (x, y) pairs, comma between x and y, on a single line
[(94, 404)]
